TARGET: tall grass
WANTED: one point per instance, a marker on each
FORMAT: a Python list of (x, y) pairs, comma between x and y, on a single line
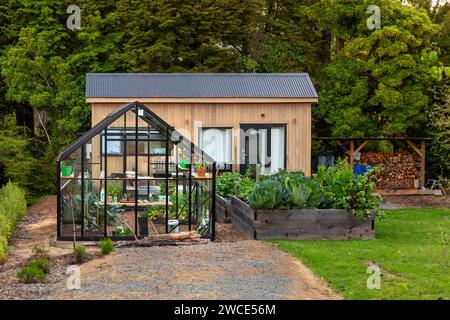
[(13, 206)]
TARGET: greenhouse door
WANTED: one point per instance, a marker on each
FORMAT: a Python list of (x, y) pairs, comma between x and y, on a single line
[(263, 148)]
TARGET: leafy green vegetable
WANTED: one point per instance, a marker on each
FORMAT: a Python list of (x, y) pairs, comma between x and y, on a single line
[(268, 195), (233, 184)]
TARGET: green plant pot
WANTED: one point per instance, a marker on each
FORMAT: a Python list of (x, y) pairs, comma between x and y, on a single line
[(183, 163), (66, 171)]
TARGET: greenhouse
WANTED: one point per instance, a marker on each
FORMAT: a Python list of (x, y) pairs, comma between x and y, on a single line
[(132, 176)]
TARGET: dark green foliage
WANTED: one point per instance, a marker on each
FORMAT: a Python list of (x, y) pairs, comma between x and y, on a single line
[(233, 184), (106, 246), (79, 253), (343, 190), (31, 274), (375, 83)]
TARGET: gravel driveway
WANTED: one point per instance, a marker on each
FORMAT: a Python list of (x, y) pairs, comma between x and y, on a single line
[(239, 270)]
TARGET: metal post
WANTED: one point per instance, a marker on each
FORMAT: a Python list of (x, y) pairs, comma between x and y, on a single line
[(167, 180), (176, 182), (422, 163), (190, 189), (148, 161), (105, 199), (136, 192), (125, 156), (82, 188), (58, 205), (213, 204)]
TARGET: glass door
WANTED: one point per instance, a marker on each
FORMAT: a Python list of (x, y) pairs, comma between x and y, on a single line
[(263, 148)]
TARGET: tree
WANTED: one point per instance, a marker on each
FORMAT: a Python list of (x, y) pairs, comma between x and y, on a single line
[(378, 85)]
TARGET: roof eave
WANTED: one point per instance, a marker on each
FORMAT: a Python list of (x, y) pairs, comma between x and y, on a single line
[(100, 100)]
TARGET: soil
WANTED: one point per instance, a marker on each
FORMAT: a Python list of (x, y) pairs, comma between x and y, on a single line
[(229, 268), (428, 201)]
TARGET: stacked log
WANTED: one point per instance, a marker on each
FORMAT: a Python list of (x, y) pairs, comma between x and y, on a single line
[(398, 170)]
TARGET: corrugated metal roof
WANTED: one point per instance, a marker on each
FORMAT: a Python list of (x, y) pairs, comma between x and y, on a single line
[(199, 85)]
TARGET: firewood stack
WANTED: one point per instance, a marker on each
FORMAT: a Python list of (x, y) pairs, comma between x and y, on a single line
[(398, 170)]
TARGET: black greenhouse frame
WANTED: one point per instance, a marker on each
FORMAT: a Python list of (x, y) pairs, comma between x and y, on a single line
[(99, 196)]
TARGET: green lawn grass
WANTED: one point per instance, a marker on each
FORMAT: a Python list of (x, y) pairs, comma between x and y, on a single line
[(411, 248)]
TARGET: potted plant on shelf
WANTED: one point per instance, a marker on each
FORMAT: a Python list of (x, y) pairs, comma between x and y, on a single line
[(67, 168), (201, 170), (114, 190)]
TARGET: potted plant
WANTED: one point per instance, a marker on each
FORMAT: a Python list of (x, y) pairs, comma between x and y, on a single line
[(200, 169), (114, 190), (67, 168)]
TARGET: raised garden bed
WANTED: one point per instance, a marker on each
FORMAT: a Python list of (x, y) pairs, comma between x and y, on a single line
[(223, 210), (304, 224)]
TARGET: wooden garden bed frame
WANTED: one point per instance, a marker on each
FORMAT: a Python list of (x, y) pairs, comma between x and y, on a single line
[(304, 224), (223, 210)]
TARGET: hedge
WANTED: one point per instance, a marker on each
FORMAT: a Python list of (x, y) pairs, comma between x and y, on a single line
[(13, 207)]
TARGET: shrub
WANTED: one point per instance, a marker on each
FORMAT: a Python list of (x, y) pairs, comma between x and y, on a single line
[(12, 201), (3, 248), (41, 263), (5, 226), (233, 184), (344, 190), (31, 274), (106, 246), (12, 207), (80, 253)]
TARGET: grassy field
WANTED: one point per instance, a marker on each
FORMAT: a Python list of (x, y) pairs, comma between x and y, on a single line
[(412, 250)]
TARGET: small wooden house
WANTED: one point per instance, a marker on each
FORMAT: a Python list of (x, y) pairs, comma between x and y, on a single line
[(241, 120)]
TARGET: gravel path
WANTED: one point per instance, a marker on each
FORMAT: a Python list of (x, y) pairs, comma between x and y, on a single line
[(239, 270), (229, 268)]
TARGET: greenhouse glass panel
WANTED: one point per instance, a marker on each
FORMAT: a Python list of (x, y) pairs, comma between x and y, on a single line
[(133, 176)]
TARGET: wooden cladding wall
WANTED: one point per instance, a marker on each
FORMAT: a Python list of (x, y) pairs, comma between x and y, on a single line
[(188, 117)]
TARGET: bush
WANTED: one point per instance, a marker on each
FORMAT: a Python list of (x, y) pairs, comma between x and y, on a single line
[(12, 207), (5, 226), (41, 263), (31, 274), (344, 190), (80, 253), (3, 248), (233, 184), (106, 246)]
